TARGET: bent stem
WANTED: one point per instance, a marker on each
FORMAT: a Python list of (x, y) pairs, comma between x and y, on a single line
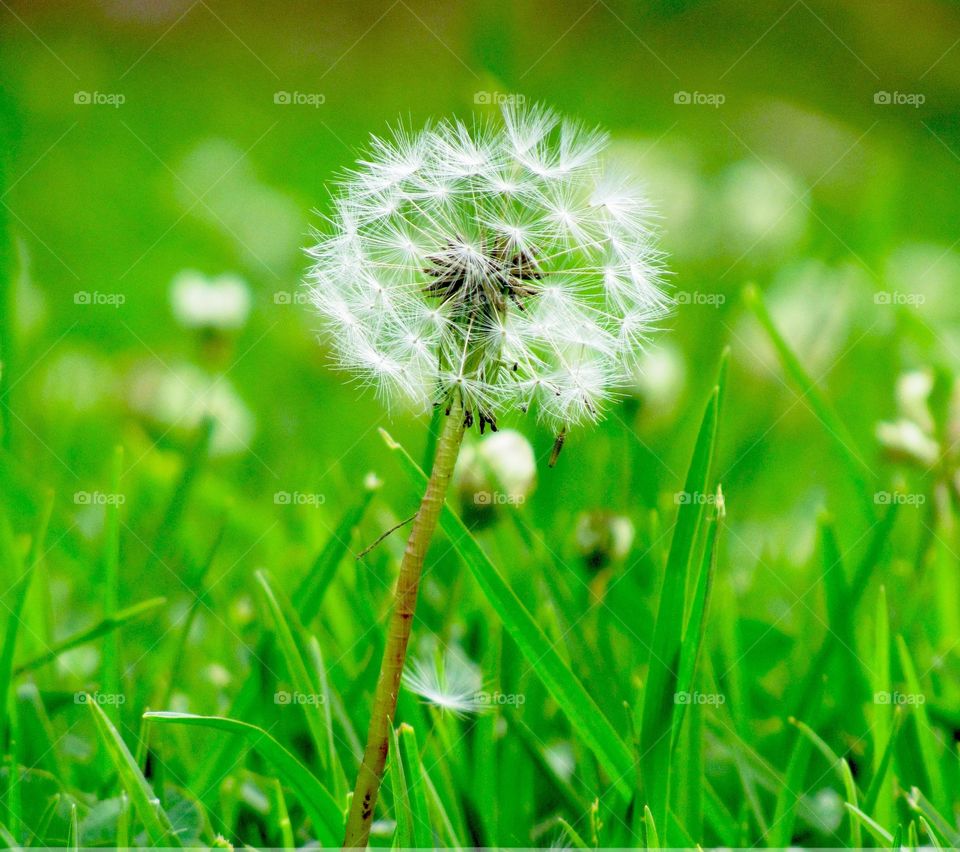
[(398, 633)]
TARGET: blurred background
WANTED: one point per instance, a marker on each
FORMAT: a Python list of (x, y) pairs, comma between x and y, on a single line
[(159, 157)]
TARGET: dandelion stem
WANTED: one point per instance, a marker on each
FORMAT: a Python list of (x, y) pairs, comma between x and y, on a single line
[(398, 633)]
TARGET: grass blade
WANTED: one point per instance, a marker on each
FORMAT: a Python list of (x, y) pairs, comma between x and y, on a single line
[(789, 795), (110, 664), (291, 640), (928, 747), (880, 834), (582, 711), (101, 628), (857, 469), (692, 639), (410, 754), (152, 815), (659, 700), (324, 813)]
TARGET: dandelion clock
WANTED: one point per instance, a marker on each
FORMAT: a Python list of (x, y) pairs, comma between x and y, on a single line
[(488, 269)]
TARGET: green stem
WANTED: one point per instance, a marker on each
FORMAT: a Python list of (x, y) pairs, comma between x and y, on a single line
[(398, 633)]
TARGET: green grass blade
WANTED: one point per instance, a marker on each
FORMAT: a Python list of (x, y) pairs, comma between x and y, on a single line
[(882, 806), (151, 813), (313, 587), (919, 803), (934, 840), (804, 697), (880, 781), (580, 708), (659, 699), (402, 812), (291, 639), (880, 834), (928, 746), (110, 663), (858, 471), (101, 628), (850, 789), (788, 797), (651, 838), (326, 816), (284, 826), (410, 752), (576, 841), (692, 639), (17, 581)]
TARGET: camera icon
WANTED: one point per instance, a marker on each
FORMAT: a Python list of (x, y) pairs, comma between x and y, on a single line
[(82, 298), (682, 98), (282, 697), (82, 98), (282, 298), (282, 98), (882, 98), (681, 698), (283, 498), (483, 98), (482, 498), (881, 698)]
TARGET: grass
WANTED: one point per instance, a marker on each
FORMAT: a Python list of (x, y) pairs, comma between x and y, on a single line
[(642, 765), (773, 658)]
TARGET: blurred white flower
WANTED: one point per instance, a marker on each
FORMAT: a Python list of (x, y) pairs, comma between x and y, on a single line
[(905, 440), (763, 208), (501, 266), (221, 303), (507, 456), (449, 681), (603, 537), (660, 378), (814, 306), (78, 381), (178, 398)]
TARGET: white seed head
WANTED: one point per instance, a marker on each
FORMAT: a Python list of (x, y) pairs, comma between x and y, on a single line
[(501, 266)]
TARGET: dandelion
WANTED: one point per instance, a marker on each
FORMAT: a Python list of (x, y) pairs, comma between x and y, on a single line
[(486, 269)]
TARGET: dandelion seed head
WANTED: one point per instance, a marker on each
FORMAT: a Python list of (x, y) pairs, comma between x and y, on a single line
[(499, 265)]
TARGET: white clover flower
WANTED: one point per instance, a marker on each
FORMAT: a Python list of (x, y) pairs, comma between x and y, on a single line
[(200, 302), (178, 399), (500, 266)]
